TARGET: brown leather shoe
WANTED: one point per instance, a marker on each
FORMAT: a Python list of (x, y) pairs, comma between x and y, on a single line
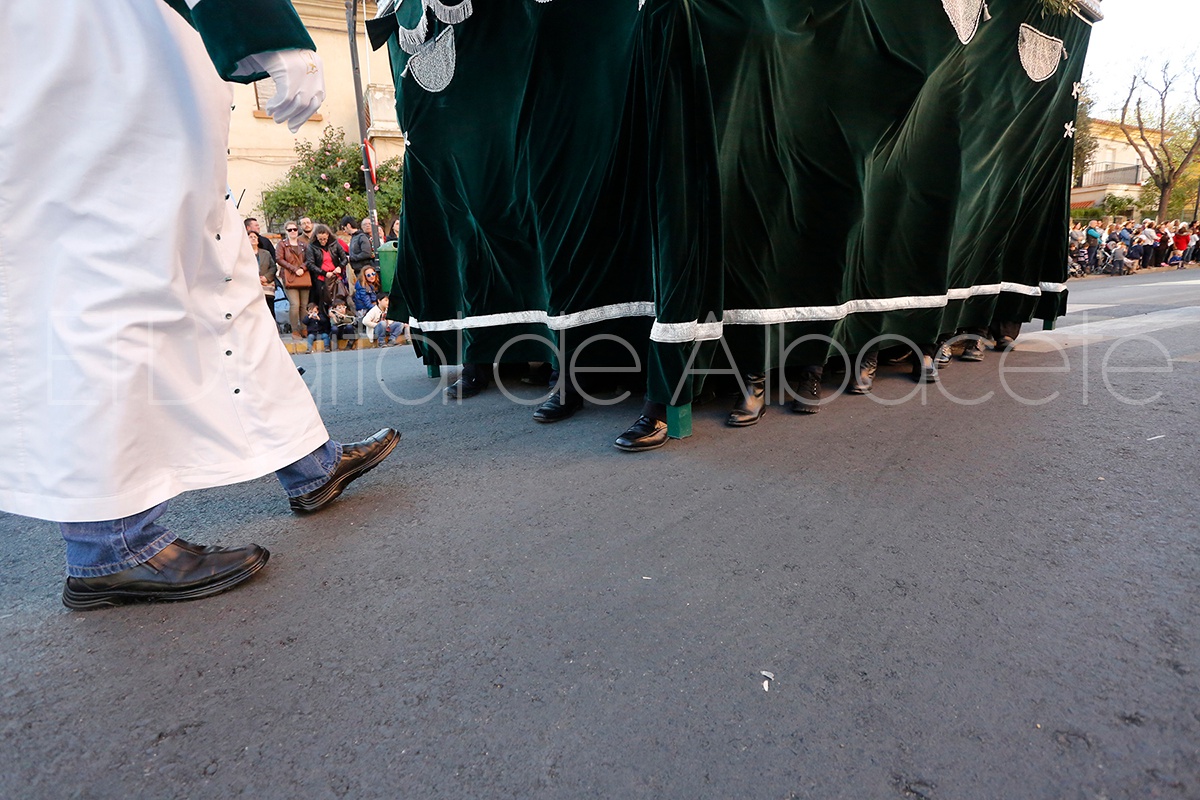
[(867, 364), (358, 459), (180, 571), (808, 393)]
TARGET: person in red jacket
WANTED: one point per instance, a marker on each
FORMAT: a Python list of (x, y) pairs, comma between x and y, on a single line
[(1183, 241)]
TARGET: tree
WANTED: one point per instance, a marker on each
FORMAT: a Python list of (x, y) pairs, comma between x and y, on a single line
[(328, 182), (1182, 202), (1166, 152), (1086, 141)]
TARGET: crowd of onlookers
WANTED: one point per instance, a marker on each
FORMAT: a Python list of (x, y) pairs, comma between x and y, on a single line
[(331, 280), (1120, 249)]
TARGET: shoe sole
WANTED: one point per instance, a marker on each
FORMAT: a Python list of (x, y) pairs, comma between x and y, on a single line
[(552, 420), (89, 601), (630, 449), (333, 490), (971, 359)]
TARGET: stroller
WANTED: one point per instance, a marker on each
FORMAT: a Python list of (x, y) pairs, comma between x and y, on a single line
[(1077, 262)]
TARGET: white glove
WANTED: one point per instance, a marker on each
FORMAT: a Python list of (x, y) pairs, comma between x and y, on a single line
[(299, 79)]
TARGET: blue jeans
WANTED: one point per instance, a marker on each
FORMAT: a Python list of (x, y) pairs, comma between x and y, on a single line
[(341, 332), (104, 548), (385, 329)]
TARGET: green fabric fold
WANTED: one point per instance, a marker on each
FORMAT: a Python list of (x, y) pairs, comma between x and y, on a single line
[(235, 29), (763, 171)]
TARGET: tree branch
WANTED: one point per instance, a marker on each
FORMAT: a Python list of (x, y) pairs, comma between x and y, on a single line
[(1142, 133), (1125, 127)]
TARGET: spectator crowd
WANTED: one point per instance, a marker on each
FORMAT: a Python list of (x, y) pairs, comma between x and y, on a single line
[(331, 280), (1121, 249)]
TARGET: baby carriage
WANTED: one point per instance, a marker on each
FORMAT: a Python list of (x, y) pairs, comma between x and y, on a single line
[(1077, 262)]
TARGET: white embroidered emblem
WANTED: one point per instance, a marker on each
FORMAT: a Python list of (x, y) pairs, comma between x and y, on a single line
[(432, 67), (1040, 53), (965, 16)]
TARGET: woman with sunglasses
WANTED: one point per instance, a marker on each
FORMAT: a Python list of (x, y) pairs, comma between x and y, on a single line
[(297, 282), (366, 294)]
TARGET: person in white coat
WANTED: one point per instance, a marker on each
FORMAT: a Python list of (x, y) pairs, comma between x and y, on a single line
[(168, 373)]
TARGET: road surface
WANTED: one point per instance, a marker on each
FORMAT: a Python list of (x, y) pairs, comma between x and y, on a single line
[(927, 599)]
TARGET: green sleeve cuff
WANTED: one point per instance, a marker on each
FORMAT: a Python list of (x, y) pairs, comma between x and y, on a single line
[(235, 29)]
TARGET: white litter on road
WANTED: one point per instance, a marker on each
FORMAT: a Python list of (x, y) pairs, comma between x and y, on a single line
[(1156, 438)]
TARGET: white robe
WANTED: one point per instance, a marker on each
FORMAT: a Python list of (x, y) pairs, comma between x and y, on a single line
[(160, 370)]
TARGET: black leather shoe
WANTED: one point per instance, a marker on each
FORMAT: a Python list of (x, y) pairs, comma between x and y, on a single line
[(752, 405), (809, 391), (925, 370), (864, 379), (180, 571), (553, 409), (645, 434), (463, 388), (358, 459), (1004, 343), (972, 350)]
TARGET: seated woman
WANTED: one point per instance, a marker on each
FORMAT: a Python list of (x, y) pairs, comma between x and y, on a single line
[(367, 292)]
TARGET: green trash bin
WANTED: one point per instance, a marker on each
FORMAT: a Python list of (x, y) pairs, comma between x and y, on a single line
[(388, 254)]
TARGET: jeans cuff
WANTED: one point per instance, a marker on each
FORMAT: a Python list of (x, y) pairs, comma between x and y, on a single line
[(141, 557), (328, 469)]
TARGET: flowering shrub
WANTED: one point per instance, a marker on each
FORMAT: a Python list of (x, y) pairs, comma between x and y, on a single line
[(327, 182)]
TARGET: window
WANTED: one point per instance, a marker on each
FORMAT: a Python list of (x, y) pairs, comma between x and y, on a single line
[(264, 90)]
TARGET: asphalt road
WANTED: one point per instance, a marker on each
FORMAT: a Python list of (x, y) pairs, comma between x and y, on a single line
[(995, 600)]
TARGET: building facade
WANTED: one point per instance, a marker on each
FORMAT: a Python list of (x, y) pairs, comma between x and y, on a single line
[(261, 152), (1116, 169)]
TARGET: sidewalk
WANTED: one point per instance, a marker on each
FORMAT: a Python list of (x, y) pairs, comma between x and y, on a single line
[(300, 346)]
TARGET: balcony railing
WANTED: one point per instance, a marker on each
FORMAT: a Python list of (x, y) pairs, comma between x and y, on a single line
[(1109, 174)]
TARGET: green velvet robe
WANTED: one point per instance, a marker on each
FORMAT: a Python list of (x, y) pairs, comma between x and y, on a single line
[(749, 171), (235, 29)]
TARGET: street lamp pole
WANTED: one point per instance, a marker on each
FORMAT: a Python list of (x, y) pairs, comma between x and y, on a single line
[(352, 30)]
